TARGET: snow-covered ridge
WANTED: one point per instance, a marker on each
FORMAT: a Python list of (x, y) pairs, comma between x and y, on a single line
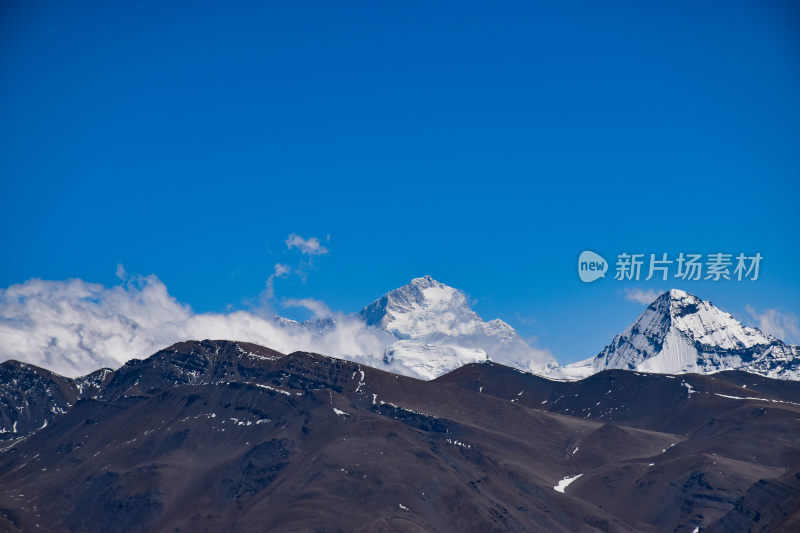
[(700, 321)]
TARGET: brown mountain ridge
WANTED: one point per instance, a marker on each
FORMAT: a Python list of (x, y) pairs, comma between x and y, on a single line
[(230, 436)]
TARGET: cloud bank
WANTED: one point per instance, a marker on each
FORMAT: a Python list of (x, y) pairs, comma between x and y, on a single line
[(74, 327)]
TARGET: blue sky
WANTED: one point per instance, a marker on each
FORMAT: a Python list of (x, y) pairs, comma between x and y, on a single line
[(486, 145)]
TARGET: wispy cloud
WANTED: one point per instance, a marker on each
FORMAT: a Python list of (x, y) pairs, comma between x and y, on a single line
[(310, 246), (643, 297), (279, 271), (781, 324)]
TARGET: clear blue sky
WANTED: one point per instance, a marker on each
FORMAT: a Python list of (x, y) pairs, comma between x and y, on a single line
[(484, 144)]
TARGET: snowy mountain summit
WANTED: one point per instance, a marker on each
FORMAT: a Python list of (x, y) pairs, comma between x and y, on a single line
[(680, 333), (437, 331), (426, 309)]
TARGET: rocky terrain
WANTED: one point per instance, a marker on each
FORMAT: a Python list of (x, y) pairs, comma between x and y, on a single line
[(230, 436)]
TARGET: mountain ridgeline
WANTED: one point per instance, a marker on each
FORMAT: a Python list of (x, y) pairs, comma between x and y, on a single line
[(231, 436)]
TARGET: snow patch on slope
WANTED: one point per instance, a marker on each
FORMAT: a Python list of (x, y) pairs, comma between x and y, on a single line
[(562, 485)]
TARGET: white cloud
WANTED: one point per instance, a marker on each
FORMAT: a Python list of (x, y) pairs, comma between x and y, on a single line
[(643, 297), (74, 327), (781, 324), (317, 307), (310, 246)]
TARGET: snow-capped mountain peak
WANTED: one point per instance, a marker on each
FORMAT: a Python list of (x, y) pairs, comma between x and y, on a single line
[(680, 332), (424, 309), (437, 331)]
